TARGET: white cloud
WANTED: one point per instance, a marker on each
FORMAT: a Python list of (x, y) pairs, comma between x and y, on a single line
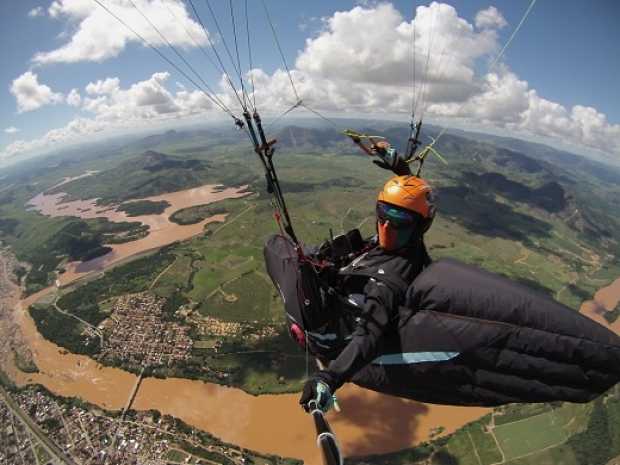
[(580, 125), (11, 130), (351, 67), (490, 18), (102, 87), (505, 101), (75, 130), (99, 36), (30, 94), (113, 107), (38, 11), (71, 8), (141, 101), (74, 98), (349, 50), (500, 99)]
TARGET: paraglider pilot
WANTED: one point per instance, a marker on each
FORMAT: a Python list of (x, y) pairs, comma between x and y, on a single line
[(404, 212)]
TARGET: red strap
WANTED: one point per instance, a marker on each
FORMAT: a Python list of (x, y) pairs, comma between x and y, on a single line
[(276, 215)]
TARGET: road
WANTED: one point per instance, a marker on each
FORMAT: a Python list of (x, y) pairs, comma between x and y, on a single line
[(228, 223)]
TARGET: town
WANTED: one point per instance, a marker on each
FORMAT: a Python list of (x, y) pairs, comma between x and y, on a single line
[(82, 434), (137, 334), (16, 444)]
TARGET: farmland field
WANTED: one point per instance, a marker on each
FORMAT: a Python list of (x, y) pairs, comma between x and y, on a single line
[(524, 437)]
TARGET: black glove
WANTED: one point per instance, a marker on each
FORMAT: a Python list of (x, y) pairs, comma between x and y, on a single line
[(318, 390)]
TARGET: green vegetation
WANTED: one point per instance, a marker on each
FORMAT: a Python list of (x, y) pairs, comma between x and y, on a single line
[(516, 412), (600, 441), (25, 364), (42, 455), (516, 439), (8, 226), (64, 330), (143, 207), (212, 457), (612, 315), (6, 382), (46, 243), (486, 447), (145, 175), (175, 455), (193, 215), (51, 424), (20, 272)]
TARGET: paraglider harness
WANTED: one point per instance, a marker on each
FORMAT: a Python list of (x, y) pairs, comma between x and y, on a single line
[(310, 279), (311, 282), (305, 277)]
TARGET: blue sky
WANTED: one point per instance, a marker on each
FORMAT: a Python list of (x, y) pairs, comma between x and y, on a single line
[(557, 79)]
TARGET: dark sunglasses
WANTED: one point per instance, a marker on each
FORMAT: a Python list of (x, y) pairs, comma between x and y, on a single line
[(398, 217)]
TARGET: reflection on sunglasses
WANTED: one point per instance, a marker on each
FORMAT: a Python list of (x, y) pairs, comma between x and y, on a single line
[(397, 217)]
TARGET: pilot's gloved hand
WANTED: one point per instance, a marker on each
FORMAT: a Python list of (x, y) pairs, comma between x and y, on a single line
[(390, 160), (317, 390)]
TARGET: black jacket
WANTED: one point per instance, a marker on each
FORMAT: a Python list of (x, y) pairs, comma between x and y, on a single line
[(379, 280), (469, 337)]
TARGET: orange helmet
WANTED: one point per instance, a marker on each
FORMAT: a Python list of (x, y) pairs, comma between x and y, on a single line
[(405, 209)]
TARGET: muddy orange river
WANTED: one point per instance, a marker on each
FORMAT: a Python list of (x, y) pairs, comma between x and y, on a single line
[(606, 299), (162, 231)]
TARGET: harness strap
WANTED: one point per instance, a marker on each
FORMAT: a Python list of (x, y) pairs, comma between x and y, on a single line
[(394, 282), (278, 218)]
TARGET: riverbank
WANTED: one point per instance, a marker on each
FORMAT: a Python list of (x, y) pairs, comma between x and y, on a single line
[(13, 349), (605, 299), (161, 231)]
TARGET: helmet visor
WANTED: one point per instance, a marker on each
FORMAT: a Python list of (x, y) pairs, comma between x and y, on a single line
[(399, 218)]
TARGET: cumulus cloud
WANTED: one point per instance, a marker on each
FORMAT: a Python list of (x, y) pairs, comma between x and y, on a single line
[(369, 52), (30, 94), (373, 45), (99, 36), (361, 62), (38, 11), (76, 129), (505, 101), (352, 67), (11, 130), (112, 107), (143, 100), (103, 86), (583, 126), (74, 98), (490, 18)]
